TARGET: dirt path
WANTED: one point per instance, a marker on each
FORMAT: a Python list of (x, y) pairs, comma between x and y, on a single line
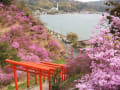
[(37, 87), (46, 87)]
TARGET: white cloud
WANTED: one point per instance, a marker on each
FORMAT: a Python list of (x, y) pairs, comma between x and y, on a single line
[(87, 0)]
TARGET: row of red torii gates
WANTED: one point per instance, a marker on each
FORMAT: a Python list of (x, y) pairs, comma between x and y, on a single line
[(44, 69)]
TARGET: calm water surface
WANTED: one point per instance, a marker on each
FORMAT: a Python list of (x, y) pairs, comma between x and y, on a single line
[(82, 24)]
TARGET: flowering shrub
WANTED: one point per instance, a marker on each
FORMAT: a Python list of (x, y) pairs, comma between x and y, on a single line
[(47, 60), (41, 52), (78, 65), (37, 27), (15, 44), (54, 45), (105, 56), (32, 58), (6, 77)]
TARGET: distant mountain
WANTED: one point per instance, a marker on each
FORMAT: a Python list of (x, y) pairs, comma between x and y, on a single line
[(97, 2), (68, 5)]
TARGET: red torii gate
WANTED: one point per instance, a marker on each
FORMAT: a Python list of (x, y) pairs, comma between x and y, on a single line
[(43, 69)]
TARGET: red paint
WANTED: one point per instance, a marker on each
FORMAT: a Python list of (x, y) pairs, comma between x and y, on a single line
[(15, 77), (71, 51), (62, 75), (35, 78), (27, 78), (49, 78), (44, 77), (40, 80)]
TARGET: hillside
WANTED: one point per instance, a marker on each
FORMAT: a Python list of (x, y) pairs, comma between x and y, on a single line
[(99, 5), (67, 5), (28, 37), (22, 26)]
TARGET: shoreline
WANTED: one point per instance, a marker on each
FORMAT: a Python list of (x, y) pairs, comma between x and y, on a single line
[(86, 12)]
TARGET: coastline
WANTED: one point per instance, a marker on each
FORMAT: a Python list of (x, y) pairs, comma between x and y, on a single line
[(60, 13)]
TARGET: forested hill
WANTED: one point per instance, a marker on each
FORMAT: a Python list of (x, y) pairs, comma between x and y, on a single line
[(99, 5), (67, 5)]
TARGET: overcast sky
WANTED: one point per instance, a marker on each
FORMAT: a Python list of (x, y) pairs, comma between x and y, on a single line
[(87, 0)]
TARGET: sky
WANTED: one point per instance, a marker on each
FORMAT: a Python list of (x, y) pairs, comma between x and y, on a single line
[(87, 0)]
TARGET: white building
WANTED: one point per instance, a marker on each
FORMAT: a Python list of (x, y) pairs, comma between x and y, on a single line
[(55, 8)]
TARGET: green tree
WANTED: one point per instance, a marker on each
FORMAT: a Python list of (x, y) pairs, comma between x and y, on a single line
[(113, 9), (46, 4), (55, 80), (6, 2), (65, 6), (72, 36), (7, 52)]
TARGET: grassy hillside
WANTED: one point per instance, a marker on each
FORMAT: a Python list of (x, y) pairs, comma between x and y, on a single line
[(28, 37)]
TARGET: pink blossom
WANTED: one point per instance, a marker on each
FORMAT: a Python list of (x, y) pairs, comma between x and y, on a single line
[(53, 43), (48, 60), (16, 27), (37, 27), (15, 44), (1, 5)]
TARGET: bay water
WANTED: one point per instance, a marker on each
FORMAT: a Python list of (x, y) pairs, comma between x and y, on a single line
[(81, 24)]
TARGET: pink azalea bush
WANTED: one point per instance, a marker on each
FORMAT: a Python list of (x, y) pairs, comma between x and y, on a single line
[(54, 44), (79, 64), (7, 78), (105, 55), (36, 28), (15, 44), (41, 52)]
